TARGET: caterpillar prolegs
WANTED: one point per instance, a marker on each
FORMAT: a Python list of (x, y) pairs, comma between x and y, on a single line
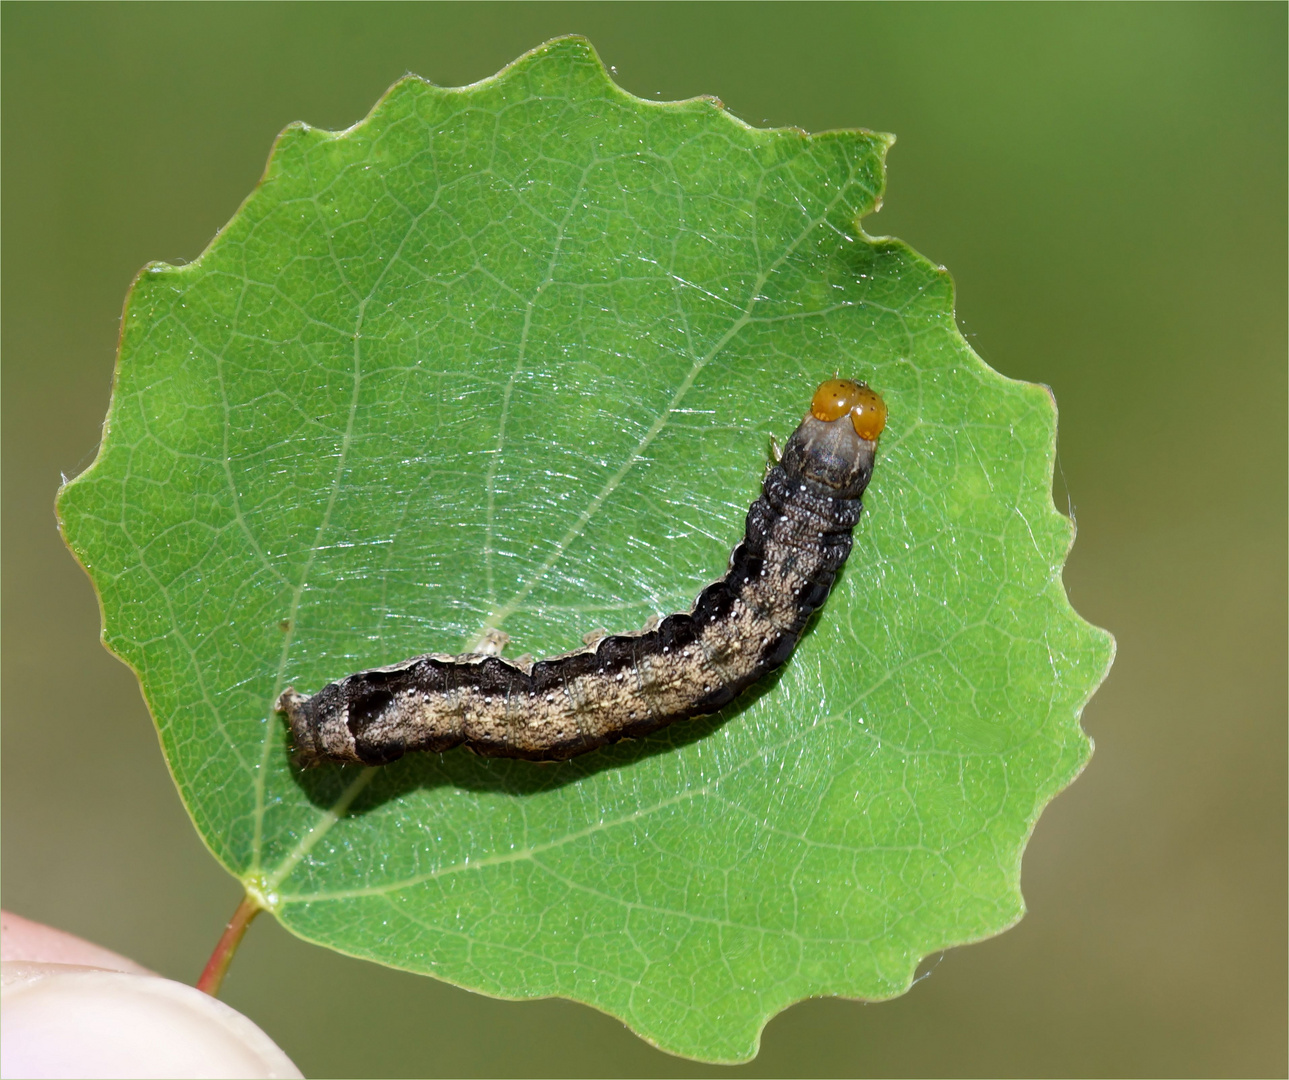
[(740, 628)]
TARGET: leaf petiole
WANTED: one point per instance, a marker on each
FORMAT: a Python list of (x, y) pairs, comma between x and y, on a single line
[(212, 975)]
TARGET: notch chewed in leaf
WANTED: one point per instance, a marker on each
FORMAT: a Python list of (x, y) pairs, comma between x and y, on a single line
[(505, 359)]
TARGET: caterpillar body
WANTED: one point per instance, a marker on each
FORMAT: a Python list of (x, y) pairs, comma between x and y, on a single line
[(742, 627)]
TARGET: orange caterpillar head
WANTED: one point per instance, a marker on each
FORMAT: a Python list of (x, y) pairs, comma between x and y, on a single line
[(837, 397)]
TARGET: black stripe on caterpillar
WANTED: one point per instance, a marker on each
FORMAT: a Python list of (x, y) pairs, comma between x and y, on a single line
[(619, 686)]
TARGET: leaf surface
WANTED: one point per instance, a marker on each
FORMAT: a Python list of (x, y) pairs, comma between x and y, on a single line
[(510, 356)]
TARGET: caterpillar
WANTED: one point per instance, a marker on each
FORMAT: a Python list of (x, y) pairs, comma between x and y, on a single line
[(742, 627)]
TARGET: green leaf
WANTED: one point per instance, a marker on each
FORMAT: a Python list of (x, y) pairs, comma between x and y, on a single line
[(510, 355)]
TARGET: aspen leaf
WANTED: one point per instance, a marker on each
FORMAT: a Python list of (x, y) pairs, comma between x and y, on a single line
[(511, 354)]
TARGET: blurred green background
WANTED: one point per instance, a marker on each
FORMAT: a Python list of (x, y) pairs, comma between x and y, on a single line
[(1107, 184)]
